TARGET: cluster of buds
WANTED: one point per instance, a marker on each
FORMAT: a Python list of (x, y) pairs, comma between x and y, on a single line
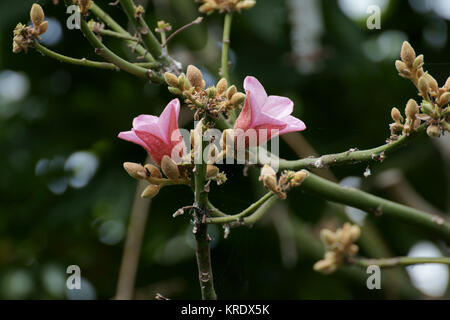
[(212, 101), (434, 108), (176, 174), (400, 126), (84, 5), (209, 6), (24, 35), (139, 11), (288, 179), (340, 247)]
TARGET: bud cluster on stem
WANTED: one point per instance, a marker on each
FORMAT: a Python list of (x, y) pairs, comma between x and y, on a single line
[(212, 101)]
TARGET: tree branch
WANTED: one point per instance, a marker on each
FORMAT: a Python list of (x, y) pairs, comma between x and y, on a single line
[(399, 261), (373, 204), (348, 157)]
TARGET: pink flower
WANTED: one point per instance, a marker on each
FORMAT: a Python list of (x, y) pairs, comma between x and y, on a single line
[(272, 113), (158, 135)]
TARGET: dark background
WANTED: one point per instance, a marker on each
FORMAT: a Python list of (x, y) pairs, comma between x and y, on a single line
[(52, 215)]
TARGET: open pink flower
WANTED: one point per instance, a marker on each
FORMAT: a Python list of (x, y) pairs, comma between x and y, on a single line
[(158, 135), (262, 112)]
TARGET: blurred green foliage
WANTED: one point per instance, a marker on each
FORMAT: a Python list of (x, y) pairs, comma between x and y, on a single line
[(69, 109)]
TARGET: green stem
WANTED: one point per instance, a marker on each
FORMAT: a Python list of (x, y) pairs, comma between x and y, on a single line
[(258, 214), (203, 254), (80, 62), (348, 157), (115, 34), (103, 51), (378, 206), (236, 217), (148, 38), (110, 22), (225, 50), (400, 261)]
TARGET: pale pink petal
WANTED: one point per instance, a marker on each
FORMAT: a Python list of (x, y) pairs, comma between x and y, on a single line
[(259, 96), (132, 137), (143, 120), (293, 124), (168, 120), (156, 147), (278, 107)]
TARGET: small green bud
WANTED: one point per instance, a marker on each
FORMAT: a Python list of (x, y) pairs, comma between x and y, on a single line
[(174, 91)]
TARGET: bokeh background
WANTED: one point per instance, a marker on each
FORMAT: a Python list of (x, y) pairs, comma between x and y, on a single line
[(66, 200)]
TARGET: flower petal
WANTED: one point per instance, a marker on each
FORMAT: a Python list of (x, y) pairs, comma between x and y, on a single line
[(278, 107), (132, 137), (259, 96), (293, 124)]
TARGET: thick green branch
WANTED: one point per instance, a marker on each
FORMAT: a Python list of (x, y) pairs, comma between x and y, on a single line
[(110, 22), (225, 50), (124, 65), (258, 214), (378, 206), (400, 261), (205, 273), (223, 218), (351, 156), (80, 62)]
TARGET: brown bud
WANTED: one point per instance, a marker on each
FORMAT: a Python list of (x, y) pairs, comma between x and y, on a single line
[(171, 79), (299, 177), (227, 138), (153, 171), (43, 27), (355, 232), (237, 98), (222, 86), (150, 191), (411, 109), (84, 5), (269, 178), (401, 66), (423, 86), (170, 168), (328, 237), (36, 15), (246, 4), (418, 62), (433, 131), (231, 91), (135, 170), (432, 83), (407, 54), (211, 171), (396, 115), (444, 99), (447, 84), (325, 266), (194, 76)]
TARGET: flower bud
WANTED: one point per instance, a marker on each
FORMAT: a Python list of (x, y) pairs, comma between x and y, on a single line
[(231, 91), (36, 15), (211, 171), (246, 4), (135, 170), (423, 86), (407, 54), (396, 115), (411, 109), (154, 171), (181, 80), (84, 6), (432, 83), (433, 131), (237, 99), (150, 191), (444, 99), (43, 27), (428, 108), (194, 76), (401, 67), (170, 168), (299, 177), (328, 237), (355, 232), (174, 91), (269, 178), (211, 92), (447, 84), (222, 86), (418, 62), (171, 79)]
